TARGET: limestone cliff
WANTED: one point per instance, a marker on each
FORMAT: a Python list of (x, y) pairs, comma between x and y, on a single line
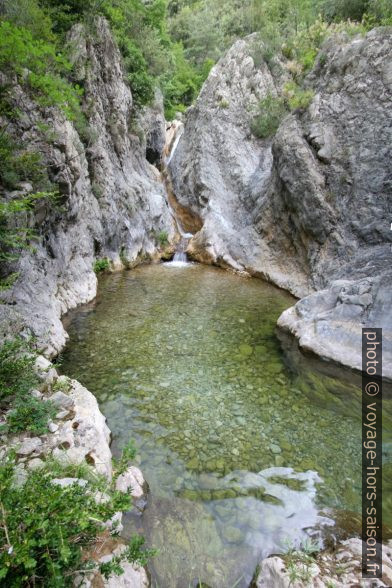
[(112, 202), (309, 209)]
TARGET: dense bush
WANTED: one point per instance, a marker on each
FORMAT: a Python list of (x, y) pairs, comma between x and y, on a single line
[(37, 66), (17, 375), (271, 112), (101, 265), (15, 236), (46, 530), (17, 378)]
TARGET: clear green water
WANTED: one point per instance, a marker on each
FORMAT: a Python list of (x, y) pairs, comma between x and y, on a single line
[(241, 451)]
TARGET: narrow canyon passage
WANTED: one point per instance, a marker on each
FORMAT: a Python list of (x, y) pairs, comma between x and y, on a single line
[(243, 453)]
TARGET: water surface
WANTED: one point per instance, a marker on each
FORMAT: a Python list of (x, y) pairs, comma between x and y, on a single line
[(243, 453)]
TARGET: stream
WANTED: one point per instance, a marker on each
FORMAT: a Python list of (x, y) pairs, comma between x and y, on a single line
[(246, 449)]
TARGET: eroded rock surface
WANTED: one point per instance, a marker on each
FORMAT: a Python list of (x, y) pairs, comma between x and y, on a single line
[(310, 209)]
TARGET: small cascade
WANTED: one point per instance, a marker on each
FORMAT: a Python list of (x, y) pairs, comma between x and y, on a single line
[(180, 255), (173, 136)]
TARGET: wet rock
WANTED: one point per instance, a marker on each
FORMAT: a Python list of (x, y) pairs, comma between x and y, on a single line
[(245, 349)]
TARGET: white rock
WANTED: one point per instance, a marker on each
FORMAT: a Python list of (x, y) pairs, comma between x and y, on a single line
[(36, 393), (92, 433), (65, 438), (35, 464), (63, 401), (29, 445), (53, 427), (45, 369), (131, 481), (114, 525), (133, 576), (62, 415), (65, 482)]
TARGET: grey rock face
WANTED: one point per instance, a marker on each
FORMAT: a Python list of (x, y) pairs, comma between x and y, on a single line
[(310, 208), (112, 200), (153, 124)]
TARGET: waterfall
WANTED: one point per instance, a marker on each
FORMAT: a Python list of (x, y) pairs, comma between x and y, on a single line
[(179, 131), (173, 136)]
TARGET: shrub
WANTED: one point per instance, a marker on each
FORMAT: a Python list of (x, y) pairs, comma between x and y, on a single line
[(223, 103), (46, 529), (101, 265), (17, 378), (9, 281), (37, 66), (19, 164), (296, 97), (14, 238), (97, 190), (30, 414), (163, 238), (128, 454), (17, 375), (299, 561), (271, 112)]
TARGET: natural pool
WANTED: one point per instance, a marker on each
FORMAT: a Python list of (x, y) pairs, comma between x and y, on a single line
[(242, 450)]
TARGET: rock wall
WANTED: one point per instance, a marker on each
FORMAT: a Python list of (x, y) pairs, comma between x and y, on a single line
[(112, 201), (309, 209)]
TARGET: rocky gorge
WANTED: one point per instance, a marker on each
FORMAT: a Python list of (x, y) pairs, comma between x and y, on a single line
[(308, 209), (289, 210)]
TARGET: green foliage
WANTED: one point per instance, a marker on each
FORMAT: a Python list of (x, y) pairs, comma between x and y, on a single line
[(17, 375), (37, 66), (338, 10), (296, 97), (299, 561), (62, 384), (27, 14), (127, 455), (134, 553), (223, 104), (271, 112), (20, 164), (64, 14), (14, 238), (101, 265), (378, 12), (17, 378), (9, 281), (97, 190), (30, 414), (163, 238), (45, 527)]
